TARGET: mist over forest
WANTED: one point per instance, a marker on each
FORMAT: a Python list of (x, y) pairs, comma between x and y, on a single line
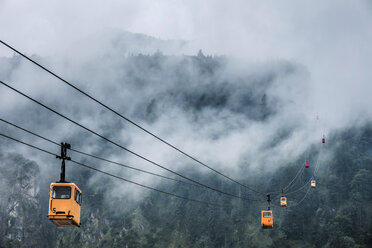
[(229, 116), (252, 104)]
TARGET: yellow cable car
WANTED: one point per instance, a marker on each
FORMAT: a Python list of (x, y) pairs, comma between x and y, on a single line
[(267, 219), (64, 197), (64, 204), (283, 201), (313, 183)]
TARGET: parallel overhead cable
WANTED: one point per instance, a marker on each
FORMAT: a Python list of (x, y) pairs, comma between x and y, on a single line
[(303, 198), (312, 177), (118, 177), (96, 157), (290, 183), (122, 147), (130, 121)]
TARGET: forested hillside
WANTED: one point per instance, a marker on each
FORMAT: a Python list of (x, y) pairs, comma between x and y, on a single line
[(337, 213)]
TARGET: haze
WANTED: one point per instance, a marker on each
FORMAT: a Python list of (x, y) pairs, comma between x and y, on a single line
[(326, 44)]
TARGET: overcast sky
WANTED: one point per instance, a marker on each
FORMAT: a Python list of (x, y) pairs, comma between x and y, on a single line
[(259, 28)]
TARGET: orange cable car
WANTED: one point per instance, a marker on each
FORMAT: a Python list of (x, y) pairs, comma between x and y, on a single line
[(313, 183), (64, 204), (64, 197), (267, 219), (283, 201), (267, 216), (307, 164)]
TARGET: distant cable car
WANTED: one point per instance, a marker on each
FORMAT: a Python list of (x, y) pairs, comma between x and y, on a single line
[(323, 139), (267, 219), (64, 204), (267, 216), (313, 183), (283, 201), (64, 197), (307, 164)]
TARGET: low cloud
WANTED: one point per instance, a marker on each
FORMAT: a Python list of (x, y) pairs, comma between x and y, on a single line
[(254, 108)]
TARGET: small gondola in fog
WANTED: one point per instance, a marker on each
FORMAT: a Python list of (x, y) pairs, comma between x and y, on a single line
[(283, 201), (313, 183), (267, 216)]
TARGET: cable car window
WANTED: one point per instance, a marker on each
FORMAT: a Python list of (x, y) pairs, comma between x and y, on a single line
[(77, 196), (266, 214), (61, 192)]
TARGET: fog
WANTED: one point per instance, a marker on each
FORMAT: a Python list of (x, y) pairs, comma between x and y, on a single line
[(286, 63)]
